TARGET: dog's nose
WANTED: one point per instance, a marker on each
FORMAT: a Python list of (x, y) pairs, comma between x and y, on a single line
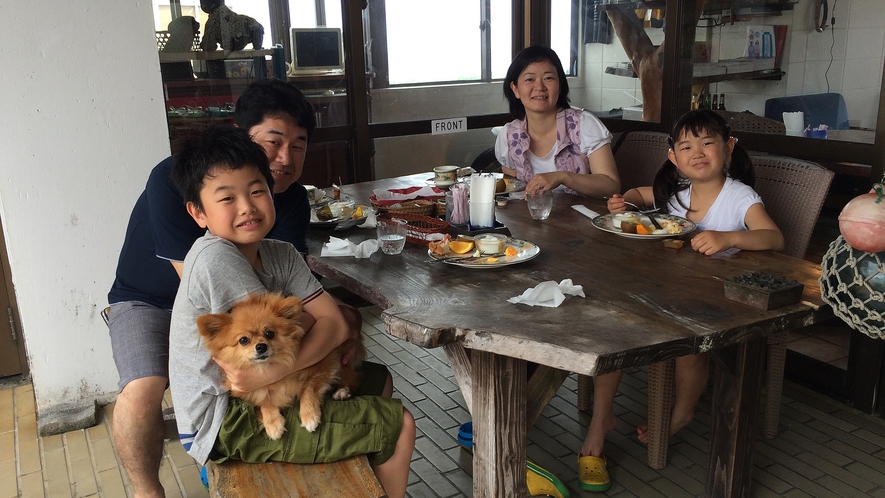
[(261, 348)]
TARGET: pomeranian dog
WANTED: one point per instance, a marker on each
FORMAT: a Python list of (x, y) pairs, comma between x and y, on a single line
[(263, 330)]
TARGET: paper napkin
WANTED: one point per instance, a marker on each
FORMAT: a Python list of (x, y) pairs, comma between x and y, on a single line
[(387, 197), (371, 221), (585, 211), (344, 247), (549, 294)]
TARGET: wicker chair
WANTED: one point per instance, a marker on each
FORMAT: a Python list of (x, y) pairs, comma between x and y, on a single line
[(793, 191), (747, 121), (639, 155)]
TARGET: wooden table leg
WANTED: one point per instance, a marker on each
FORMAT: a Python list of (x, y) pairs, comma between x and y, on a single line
[(737, 383), (499, 425)]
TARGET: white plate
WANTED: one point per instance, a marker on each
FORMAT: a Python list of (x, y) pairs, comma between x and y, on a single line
[(604, 223), (525, 251), (344, 219)]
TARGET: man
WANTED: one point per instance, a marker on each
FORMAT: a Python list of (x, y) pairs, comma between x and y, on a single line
[(160, 232)]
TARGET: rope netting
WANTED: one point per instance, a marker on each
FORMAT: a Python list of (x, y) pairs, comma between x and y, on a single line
[(852, 283)]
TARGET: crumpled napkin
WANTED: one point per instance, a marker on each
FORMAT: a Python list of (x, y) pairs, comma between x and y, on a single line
[(344, 247), (371, 220), (548, 294), (585, 211)]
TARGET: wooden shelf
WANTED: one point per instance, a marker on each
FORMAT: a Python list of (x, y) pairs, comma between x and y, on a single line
[(767, 74), (213, 56)]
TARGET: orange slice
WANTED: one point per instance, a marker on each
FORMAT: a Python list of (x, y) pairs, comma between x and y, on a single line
[(642, 229), (510, 251), (461, 246)]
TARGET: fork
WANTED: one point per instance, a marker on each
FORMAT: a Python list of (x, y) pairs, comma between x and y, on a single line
[(643, 211)]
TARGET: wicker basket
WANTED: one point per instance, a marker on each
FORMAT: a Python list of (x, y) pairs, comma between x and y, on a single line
[(421, 207), (418, 227)]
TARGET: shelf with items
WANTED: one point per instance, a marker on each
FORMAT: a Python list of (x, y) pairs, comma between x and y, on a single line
[(713, 72)]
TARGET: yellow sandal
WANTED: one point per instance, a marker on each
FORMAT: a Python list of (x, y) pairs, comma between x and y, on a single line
[(593, 474)]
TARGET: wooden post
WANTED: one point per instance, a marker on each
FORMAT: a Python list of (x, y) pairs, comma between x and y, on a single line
[(499, 425), (736, 386)]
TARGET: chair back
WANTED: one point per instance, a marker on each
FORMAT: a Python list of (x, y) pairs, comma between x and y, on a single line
[(639, 155), (747, 121), (793, 191)]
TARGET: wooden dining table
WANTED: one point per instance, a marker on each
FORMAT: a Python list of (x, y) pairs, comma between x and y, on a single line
[(644, 303)]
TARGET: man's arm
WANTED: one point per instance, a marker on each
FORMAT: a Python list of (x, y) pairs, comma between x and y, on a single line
[(179, 267)]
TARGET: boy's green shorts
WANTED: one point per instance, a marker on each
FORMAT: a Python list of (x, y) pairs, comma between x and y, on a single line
[(365, 424)]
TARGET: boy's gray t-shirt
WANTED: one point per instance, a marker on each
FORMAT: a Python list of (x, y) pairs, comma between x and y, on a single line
[(216, 276)]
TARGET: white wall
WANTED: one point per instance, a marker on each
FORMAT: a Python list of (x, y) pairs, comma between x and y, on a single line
[(82, 125)]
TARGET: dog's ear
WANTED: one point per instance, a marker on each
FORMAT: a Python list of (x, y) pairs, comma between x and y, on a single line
[(289, 307), (210, 325)]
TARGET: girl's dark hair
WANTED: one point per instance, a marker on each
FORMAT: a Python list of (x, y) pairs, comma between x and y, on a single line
[(669, 181), (217, 147), (530, 55)]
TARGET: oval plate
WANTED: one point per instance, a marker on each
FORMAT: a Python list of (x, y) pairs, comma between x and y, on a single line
[(525, 251), (342, 222), (604, 223)]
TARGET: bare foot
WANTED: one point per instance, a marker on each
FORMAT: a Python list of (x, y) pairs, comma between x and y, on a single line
[(677, 422)]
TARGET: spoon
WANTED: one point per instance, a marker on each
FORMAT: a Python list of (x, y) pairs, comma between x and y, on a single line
[(640, 209)]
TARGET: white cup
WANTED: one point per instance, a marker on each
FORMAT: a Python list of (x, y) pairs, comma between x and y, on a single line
[(445, 175)]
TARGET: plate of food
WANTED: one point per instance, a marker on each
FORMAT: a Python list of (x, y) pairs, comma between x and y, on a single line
[(490, 250), (338, 215), (638, 226)]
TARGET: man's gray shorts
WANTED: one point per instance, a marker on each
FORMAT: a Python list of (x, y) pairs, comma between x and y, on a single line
[(140, 340)]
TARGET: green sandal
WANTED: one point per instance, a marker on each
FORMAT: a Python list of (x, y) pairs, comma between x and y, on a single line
[(593, 474), (540, 482)]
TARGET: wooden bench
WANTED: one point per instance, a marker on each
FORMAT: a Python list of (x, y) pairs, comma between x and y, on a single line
[(351, 478)]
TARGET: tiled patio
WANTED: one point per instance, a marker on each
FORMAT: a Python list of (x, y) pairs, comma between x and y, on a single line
[(824, 448)]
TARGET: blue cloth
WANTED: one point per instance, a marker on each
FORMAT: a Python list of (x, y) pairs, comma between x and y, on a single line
[(820, 108)]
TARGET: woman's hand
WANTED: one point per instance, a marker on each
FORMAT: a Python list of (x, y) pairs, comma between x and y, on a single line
[(616, 204), (543, 181)]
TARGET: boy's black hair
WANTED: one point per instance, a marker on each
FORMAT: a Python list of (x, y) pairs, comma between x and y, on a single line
[(529, 55), (669, 181), (272, 97), (224, 147)]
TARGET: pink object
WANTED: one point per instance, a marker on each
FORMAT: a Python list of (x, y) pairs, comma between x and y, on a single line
[(862, 223)]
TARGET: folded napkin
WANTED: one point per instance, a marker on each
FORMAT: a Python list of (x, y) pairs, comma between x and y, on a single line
[(386, 197), (549, 294), (371, 221), (585, 211), (344, 247)]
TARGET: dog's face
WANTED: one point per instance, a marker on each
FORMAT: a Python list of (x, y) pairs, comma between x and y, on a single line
[(262, 328)]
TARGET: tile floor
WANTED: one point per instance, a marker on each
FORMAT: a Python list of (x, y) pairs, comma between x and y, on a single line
[(825, 449)]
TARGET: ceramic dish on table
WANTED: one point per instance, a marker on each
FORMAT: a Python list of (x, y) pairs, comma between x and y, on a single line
[(338, 215), (513, 251), (673, 226)]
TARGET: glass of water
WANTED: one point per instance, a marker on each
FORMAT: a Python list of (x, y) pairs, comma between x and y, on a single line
[(540, 204), (392, 234)]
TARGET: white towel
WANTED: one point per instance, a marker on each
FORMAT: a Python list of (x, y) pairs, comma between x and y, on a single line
[(549, 294), (585, 211), (344, 247)]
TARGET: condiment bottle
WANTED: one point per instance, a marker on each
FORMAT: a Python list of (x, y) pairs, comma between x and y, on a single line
[(722, 102), (715, 102)]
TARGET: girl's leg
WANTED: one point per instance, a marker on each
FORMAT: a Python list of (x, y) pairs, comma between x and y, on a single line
[(605, 387), (692, 372), (394, 473), (690, 380)]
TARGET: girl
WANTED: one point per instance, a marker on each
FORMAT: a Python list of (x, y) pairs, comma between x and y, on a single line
[(550, 144), (709, 180)]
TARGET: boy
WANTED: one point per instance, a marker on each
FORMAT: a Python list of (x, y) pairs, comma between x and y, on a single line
[(160, 232), (225, 180)]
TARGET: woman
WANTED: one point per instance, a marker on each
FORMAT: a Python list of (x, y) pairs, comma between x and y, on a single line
[(551, 145)]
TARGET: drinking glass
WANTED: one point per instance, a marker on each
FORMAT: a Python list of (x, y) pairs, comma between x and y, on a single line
[(392, 234), (540, 204)]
